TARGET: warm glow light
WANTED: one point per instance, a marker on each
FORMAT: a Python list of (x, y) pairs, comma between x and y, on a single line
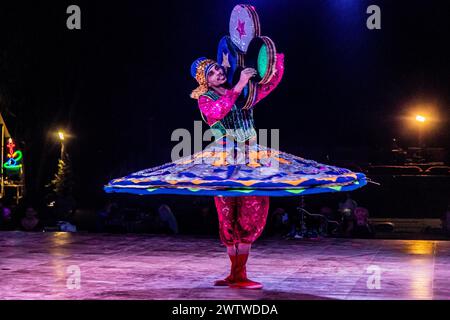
[(420, 118), (420, 275), (420, 247), (61, 135)]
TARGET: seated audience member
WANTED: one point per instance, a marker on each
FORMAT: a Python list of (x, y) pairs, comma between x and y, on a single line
[(362, 227), (30, 222)]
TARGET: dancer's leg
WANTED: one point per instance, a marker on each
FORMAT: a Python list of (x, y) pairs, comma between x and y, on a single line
[(252, 216), (251, 219), (226, 210)]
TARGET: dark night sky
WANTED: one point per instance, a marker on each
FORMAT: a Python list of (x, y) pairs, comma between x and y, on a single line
[(121, 84)]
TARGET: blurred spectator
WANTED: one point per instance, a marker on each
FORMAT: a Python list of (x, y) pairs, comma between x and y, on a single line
[(2, 222), (105, 215), (296, 225), (349, 205), (115, 222), (279, 222), (6, 221), (102, 216), (362, 227), (347, 209), (361, 216), (7, 217), (168, 221), (30, 222)]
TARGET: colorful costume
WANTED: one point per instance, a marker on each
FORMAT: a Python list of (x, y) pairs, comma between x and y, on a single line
[(237, 171)]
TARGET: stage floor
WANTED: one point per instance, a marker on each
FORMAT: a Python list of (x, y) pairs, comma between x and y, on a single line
[(46, 266)]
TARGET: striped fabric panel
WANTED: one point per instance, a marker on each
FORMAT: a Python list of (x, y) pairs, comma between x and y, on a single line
[(241, 121)]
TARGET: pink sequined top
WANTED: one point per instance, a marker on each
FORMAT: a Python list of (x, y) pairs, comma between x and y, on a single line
[(217, 110)]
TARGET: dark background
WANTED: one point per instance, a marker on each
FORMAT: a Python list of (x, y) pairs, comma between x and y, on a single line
[(121, 84)]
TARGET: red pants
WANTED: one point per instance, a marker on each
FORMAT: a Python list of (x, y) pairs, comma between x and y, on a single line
[(241, 219)]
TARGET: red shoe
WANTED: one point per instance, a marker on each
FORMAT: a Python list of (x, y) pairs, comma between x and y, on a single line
[(240, 277), (224, 282), (230, 279), (246, 284)]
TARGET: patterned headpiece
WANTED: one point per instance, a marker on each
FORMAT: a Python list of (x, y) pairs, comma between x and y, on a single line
[(199, 71)]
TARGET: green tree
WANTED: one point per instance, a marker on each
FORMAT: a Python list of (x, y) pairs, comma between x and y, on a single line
[(62, 183), (61, 190)]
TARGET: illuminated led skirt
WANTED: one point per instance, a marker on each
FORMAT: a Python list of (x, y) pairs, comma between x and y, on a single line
[(230, 169)]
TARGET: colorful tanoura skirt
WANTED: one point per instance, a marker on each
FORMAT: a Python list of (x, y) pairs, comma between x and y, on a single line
[(228, 168)]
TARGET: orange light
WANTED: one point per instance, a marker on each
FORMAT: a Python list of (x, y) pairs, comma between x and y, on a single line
[(420, 118)]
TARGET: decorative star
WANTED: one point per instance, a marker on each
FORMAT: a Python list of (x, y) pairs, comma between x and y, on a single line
[(241, 28), (225, 62)]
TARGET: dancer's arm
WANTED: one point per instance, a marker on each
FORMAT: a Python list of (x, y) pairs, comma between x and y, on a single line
[(218, 109), (265, 89)]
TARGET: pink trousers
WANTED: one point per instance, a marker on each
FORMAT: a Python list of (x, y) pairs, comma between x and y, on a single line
[(241, 219)]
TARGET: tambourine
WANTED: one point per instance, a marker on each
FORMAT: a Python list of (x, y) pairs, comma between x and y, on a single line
[(244, 26), (229, 57), (261, 55), (253, 90)]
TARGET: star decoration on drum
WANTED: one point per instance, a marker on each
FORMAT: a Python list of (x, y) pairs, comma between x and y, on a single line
[(241, 28), (229, 57), (225, 62), (244, 26)]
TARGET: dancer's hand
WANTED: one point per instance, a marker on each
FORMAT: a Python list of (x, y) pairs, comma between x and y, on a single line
[(246, 75)]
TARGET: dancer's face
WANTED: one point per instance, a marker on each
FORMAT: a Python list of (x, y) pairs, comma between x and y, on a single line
[(216, 76)]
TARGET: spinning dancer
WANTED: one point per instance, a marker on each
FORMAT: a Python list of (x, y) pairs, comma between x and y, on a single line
[(241, 219), (238, 172)]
